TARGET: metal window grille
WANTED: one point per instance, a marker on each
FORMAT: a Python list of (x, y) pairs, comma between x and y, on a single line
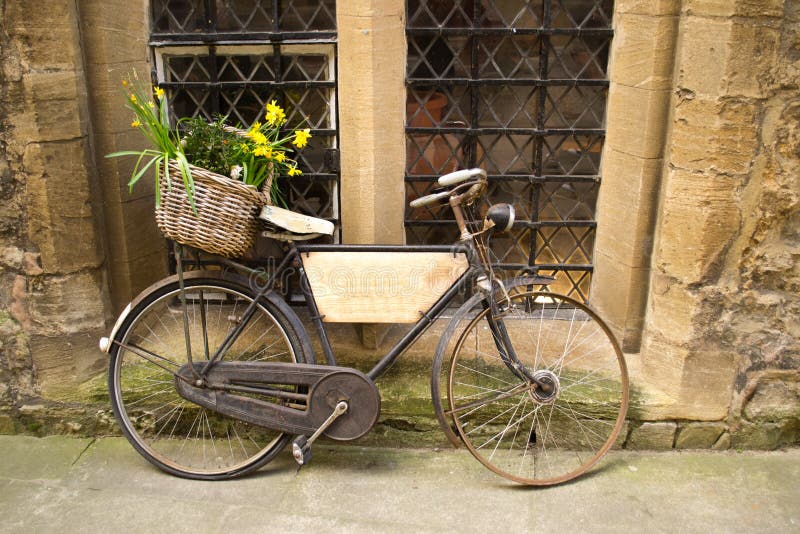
[(231, 57), (518, 88)]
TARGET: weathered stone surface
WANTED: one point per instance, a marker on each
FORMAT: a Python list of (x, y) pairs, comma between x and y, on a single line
[(774, 400), (64, 361), (67, 304), (723, 443), (643, 51), (729, 8), (713, 135), (647, 7), (652, 436), (640, 134), (61, 220), (699, 435), (765, 436)]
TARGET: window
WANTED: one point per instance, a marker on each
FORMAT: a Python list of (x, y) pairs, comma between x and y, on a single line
[(231, 57), (518, 88)]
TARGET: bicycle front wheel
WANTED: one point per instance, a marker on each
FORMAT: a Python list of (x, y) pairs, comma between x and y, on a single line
[(549, 416), (174, 434)]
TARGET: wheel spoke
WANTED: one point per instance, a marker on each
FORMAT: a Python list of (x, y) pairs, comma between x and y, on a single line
[(554, 432), (171, 432)]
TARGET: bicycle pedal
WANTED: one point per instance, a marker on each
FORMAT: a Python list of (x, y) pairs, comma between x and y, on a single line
[(301, 451)]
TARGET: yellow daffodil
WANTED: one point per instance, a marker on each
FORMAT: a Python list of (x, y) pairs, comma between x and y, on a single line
[(263, 150), (133, 99), (151, 105), (294, 171), (275, 115), (124, 83), (257, 137), (244, 148), (159, 92), (136, 124), (301, 138), (280, 157)]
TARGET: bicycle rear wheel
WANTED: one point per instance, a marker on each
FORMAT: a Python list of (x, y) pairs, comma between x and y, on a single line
[(529, 434), (174, 434)]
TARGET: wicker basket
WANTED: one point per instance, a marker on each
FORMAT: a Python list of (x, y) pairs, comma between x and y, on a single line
[(225, 222)]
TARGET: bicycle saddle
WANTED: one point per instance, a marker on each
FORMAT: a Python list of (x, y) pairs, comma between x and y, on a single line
[(295, 223)]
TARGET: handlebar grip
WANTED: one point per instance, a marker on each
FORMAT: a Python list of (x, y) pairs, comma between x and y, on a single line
[(428, 199), (460, 176)]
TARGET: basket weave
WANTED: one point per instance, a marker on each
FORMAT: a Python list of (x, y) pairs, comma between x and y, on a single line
[(225, 222)]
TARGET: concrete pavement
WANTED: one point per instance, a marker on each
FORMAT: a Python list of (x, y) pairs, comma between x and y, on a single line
[(61, 484)]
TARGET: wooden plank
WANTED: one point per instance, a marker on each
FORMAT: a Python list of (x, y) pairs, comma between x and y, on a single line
[(380, 287)]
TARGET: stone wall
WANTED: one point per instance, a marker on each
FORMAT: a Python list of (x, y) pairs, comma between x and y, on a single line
[(53, 296), (698, 235)]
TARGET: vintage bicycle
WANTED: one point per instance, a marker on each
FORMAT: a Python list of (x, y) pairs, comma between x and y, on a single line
[(211, 375)]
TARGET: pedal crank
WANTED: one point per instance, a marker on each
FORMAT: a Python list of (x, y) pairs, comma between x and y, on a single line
[(301, 446)]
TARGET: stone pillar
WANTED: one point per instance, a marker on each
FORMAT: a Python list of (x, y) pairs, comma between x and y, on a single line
[(115, 34), (372, 51), (55, 302), (709, 201), (640, 67)]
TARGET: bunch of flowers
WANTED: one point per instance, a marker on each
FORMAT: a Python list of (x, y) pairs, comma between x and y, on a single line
[(251, 156)]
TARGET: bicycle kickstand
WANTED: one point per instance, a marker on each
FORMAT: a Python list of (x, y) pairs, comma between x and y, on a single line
[(301, 446)]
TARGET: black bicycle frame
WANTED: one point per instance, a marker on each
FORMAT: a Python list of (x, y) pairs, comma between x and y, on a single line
[(293, 258)]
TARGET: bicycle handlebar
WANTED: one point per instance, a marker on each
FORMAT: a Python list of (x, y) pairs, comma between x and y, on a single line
[(429, 199), (461, 176), (454, 178)]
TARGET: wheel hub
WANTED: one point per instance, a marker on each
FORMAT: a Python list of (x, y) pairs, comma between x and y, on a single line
[(544, 386)]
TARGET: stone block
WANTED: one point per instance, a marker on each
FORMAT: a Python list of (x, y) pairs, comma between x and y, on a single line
[(112, 35), (662, 362), (643, 51), (11, 257), (647, 7), (7, 425), (671, 310), (618, 294), (626, 206), (753, 52), (730, 8), (703, 54), (707, 381), (369, 9), (639, 133), (652, 436), (59, 101), (700, 215), (723, 443), (52, 45), (714, 135), (64, 361), (699, 435), (774, 400), (765, 436), (61, 220), (67, 304)]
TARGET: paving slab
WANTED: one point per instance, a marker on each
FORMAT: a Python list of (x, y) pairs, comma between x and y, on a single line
[(60, 484)]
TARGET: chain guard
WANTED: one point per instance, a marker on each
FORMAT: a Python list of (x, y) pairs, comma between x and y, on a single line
[(326, 385)]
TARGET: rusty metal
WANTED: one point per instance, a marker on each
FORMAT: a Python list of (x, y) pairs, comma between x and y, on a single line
[(327, 386)]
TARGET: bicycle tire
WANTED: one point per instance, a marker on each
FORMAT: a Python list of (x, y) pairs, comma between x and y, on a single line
[(144, 400), (520, 431)]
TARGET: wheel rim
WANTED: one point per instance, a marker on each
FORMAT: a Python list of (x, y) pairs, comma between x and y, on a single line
[(513, 427), (166, 428)]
